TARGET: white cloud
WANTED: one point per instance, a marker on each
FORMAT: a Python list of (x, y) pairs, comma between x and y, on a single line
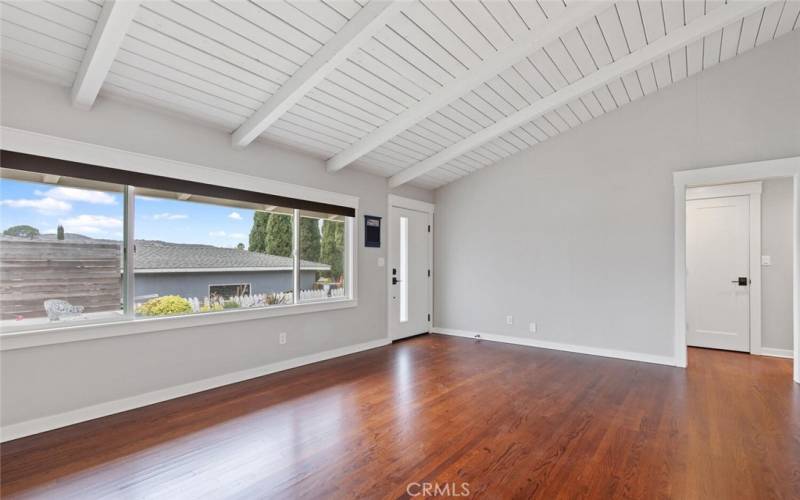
[(91, 224), (45, 206), (223, 234), (80, 195), (235, 216), (169, 216)]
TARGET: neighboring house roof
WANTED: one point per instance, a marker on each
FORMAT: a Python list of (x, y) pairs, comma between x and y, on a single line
[(163, 257)]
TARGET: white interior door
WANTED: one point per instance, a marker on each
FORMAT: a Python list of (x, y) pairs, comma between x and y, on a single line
[(718, 278), (409, 273)]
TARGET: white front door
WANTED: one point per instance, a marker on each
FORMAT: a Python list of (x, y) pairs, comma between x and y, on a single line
[(409, 272), (718, 277)]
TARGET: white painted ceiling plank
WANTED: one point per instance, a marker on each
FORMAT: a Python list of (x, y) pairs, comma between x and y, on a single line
[(789, 17), (321, 13), (108, 34), (469, 80), (709, 23), (769, 23), (44, 56), (37, 69), (730, 40), (291, 15), (83, 8), (198, 68), (711, 49), (53, 12), (187, 40), (190, 106), (750, 25), (13, 14), (461, 27), (360, 28), (41, 41), (161, 70)]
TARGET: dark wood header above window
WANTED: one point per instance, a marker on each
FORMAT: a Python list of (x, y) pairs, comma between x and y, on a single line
[(53, 166)]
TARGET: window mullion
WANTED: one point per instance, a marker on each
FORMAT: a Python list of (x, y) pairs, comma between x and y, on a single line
[(128, 292), (296, 255)]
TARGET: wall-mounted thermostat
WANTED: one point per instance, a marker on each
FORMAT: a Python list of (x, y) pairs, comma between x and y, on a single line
[(372, 231)]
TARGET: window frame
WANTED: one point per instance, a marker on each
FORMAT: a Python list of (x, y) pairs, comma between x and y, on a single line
[(249, 287), (55, 147)]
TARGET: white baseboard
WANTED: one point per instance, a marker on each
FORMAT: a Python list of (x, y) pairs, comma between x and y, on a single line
[(777, 353), (51, 422), (545, 344)]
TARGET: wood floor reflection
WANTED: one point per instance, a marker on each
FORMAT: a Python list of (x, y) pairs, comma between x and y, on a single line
[(509, 421)]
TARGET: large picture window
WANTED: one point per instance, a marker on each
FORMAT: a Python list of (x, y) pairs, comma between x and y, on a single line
[(76, 249)]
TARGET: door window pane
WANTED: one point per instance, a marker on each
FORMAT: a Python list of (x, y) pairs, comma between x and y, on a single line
[(403, 269), (61, 255), (322, 256), (199, 254)]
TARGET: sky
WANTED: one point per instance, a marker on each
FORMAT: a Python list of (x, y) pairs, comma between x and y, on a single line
[(98, 214)]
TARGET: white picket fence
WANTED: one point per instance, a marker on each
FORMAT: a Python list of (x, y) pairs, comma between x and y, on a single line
[(268, 299)]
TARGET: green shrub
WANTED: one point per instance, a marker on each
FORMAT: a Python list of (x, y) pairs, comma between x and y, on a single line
[(230, 304), (165, 306), (212, 308)]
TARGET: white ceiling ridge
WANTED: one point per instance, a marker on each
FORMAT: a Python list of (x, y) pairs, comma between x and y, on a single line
[(355, 33), (695, 30), (571, 17), (109, 32)]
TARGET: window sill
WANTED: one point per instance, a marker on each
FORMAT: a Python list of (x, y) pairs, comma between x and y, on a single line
[(77, 332)]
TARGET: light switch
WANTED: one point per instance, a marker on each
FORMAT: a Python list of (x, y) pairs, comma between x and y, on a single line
[(381, 262), (766, 260)]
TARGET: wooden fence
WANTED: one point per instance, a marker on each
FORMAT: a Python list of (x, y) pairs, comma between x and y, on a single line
[(84, 274)]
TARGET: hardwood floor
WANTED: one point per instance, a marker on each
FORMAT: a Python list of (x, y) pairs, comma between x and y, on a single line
[(510, 421)]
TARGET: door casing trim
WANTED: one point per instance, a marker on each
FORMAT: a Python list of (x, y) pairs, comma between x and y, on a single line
[(753, 192), (393, 202), (726, 174)]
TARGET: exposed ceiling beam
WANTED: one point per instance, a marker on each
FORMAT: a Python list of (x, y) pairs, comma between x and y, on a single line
[(357, 31), (108, 34), (572, 16), (677, 39)]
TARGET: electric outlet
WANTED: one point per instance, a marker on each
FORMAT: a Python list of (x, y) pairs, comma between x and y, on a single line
[(509, 320), (532, 327), (282, 338), (766, 260)]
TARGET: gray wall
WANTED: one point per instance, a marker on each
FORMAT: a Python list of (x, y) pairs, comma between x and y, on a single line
[(44, 381), (196, 284), (576, 233), (776, 279)]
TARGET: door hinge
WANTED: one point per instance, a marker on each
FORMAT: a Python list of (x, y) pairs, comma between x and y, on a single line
[(429, 317)]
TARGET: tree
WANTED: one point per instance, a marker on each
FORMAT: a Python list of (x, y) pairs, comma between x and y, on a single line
[(332, 247), (279, 235), (309, 239), (60, 232), (240, 246), (22, 231), (258, 233)]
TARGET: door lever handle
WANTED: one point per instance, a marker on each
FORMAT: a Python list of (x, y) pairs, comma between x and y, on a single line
[(742, 281), (395, 281)]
